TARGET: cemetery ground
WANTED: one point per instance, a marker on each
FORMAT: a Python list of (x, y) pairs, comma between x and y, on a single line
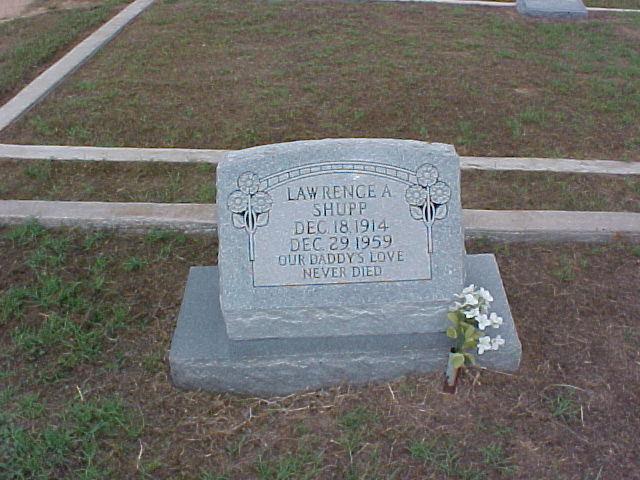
[(29, 45), (85, 324), (230, 75), (194, 183)]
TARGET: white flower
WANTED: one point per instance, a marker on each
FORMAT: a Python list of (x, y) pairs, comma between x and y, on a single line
[(485, 294), (470, 299), (496, 342), (473, 313), (470, 289), (484, 343), (495, 320), (483, 321)]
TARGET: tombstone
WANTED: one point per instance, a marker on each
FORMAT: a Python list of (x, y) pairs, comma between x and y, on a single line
[(338, 260), (553, 9)]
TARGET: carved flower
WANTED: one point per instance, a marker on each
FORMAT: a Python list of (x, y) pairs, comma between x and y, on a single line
[(440, 193), (261, 202), (238, 202), (427, 175), (249, 182), (415, 195)]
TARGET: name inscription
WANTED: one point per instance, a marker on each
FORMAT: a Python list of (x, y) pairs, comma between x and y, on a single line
[(345, 230)]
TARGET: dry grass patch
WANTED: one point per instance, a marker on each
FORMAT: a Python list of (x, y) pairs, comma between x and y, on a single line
[(92, 398), (235, 74)]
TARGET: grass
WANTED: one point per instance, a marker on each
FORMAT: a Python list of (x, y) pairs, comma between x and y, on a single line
[(231, 75), (27, 45), (85, 390), (613, 3), (166, 183), (69, 445)]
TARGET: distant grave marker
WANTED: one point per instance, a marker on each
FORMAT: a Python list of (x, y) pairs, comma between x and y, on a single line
[(560, 9), (338, 261)]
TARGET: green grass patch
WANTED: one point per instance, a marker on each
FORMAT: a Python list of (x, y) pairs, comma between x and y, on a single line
[(68, 445)]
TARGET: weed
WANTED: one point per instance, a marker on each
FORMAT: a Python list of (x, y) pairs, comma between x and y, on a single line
[(441, 453), (515, 126), (357, 418), (565, 270), (564, 407), (494, 456), (303, 465), (354, 423), (26, 233), (57, 332), (134, 264), (40, 171), (212, 476), (93, 240), (11, 303), (153, 363), (30, 406)]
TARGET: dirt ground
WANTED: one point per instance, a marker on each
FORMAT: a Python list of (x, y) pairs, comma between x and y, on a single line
[(10, 9), (570, 412)]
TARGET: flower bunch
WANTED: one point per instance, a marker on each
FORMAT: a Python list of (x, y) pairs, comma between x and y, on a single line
[(470, 316)]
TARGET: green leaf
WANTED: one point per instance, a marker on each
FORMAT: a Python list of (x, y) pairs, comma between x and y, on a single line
[(452, 332), (457, 360), (469, 344), (453, 318), (469, 331), (470, 358)]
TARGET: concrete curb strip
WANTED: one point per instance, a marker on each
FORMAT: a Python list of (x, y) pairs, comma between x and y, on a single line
[(507, 225), (50, 78), (550, 225), (557, 165), (190, 155), (189, 217), (111, 154), (482, 3)]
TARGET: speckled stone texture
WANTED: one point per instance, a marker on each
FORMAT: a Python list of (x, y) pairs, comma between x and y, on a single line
[(560, 9), (291, 276), (203, 357)]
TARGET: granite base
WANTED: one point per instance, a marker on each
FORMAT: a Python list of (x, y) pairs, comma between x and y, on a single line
[(202, 356)]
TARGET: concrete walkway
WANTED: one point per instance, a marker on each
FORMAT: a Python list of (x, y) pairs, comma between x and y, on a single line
[(504, 225)]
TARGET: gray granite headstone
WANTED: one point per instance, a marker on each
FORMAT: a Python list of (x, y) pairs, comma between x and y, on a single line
[(338, 260), (339, 237), (559, 9)]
